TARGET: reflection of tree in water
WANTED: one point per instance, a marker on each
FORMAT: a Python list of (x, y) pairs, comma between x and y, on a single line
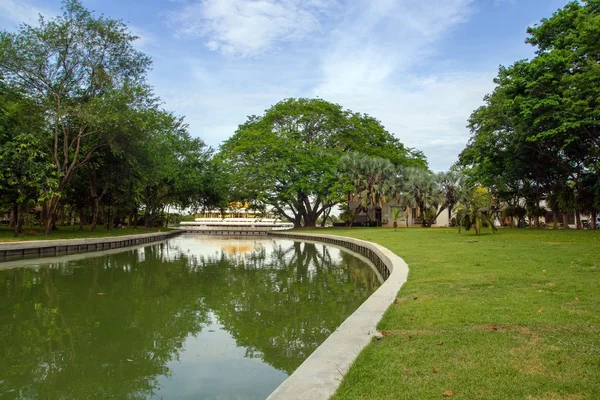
[(106, 327), (103, 331), (282, 305)]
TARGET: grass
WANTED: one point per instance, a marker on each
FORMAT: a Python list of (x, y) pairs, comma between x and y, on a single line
[(514, 315), (68, 232)]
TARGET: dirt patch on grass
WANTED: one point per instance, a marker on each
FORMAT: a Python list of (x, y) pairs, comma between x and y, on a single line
[(523, 330), (555, 396), (410, 332), (415, 298), (528, 356)]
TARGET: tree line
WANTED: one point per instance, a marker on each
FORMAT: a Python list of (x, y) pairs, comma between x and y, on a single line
[(83, 137), (81, 129), (537, 137)]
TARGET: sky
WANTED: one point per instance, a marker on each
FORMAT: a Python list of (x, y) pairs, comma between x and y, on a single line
[(419, 66)]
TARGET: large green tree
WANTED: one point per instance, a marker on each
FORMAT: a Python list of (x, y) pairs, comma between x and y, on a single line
[(289, 158), (537, 136), (74, 66)]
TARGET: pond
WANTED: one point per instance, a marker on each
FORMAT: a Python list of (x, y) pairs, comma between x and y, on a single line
[(190, 318)]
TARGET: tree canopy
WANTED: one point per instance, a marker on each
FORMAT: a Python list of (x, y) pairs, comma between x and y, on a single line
[(80, 127), (289, 158), (537, 137)]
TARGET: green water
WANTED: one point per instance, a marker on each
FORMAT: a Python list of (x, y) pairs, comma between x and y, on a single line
[(191, 318)]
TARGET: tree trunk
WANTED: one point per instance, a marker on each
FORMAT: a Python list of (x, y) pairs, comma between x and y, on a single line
[(96, 207), (60, 215), (297, 221), (81, 217), (147, 219), (578, 220), (48, 210), (14, 215), (71, 222), (422, 208), (21, 219), (565, 220), (593, 221), (106, 218), (167, 218), (310, 220), (537, 221), (325, 216), (474, 224), (135, 218), (111, 217), (54, 219)]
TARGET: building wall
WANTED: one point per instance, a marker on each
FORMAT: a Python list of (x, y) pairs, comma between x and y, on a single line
[(412, 215)]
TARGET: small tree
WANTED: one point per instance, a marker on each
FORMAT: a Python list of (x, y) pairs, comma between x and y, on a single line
[(474, 209), (396, 214)]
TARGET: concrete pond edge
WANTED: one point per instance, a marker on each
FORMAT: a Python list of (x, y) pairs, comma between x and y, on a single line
[(319, 376), (65, 246)]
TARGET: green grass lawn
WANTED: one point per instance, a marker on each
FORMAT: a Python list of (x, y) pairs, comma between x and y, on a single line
[(514, 315), (68, 232)]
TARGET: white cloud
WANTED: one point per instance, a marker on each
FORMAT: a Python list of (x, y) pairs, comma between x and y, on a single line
[(20, 11), (378, 69), (376, 57), (146, 39), (425, 112), (249, 27)]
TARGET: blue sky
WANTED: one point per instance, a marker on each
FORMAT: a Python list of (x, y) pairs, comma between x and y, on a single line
[(420, 67)]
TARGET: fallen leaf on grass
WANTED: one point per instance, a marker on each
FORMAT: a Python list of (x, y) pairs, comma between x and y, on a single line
[(541, 309), (492, 328), (384, 333), (558, 362), (448, 393), (576, 298), (440, 344), (435, 371)]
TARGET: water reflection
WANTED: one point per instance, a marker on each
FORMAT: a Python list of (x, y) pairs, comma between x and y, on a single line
[(188, 318)]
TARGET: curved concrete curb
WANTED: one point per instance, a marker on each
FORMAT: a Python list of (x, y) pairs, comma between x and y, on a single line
[(64, 246), (320, 374)]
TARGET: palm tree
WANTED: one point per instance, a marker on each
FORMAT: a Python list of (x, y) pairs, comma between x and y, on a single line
[(451, 184), (422, 187), (475, 205), (396, 213), (377, 183), (371, 181)]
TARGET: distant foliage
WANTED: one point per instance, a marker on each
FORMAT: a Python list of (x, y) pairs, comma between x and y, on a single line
[(82, 136), (537, 136)]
